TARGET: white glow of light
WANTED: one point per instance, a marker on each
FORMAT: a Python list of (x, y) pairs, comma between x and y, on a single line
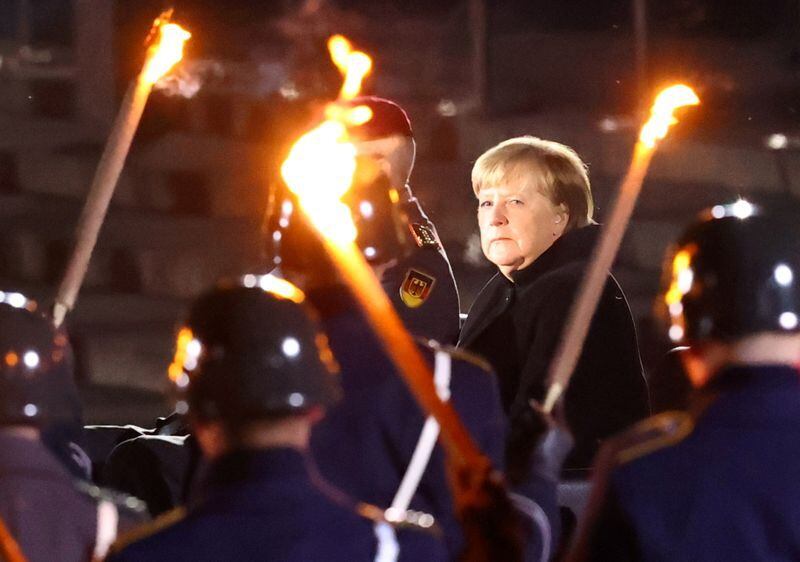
[(685, 280), (291, 347), (366, 209), (249, 280), (742, 209), (777, 141), (608, 125), (426, 520), (370, 252), (194, 348), (181, 407), (718, 211), (190, 363), (183, 381), (30, 410), (277, 235), (788, 320), (675, 332), (17, 300), (31, 359), (783, 275), (286, 208), (447, 108), (296, 399), (393, 515), (676, 308), (283, 222), (2, 296)]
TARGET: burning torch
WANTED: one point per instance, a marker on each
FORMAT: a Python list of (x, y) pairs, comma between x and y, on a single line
[(577, 326), (165, 49)]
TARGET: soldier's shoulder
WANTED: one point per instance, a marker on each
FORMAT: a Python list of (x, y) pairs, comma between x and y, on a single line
[(126, 504), (160, 523), (649, 436), (456, 354)]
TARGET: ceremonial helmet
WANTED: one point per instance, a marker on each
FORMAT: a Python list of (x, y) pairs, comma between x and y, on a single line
[(385, 154), (249, 352), (36, 366), (734, 272)]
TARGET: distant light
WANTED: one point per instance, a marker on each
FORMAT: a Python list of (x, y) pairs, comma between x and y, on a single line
[(283, 222), (287, 207), (296, 399), (447, 108), (181, 407), (777, 141), (685, 280), (289, 91), (676, 308), (366, 209), (783, 275), (608, 125), (788, 320), (675, 332), (182, 381), (291, 347), (277, 235), (17, 300), (718, 211), (31, 359), (194, 347), (742, 209), (30, 410), (370, 252), (249, 280), (426, 520)]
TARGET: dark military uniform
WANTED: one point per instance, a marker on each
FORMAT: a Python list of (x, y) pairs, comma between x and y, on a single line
[(267, 506), (720, 484), (49, 515), (366, 441), (421, 285)]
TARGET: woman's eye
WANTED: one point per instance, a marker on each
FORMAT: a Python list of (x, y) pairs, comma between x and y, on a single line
[(515, 202), (485, 204)]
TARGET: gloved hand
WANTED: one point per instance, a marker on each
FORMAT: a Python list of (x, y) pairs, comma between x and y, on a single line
[(537, 443)]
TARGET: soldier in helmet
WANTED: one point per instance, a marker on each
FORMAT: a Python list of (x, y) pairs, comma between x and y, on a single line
[(718, 482), (51, 515), (395, 234), (255, 373)]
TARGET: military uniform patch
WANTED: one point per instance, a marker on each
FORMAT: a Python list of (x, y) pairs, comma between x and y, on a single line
[(423, 235), (416, 288)]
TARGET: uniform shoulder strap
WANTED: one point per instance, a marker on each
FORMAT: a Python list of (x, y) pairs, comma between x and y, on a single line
[(650, 435)]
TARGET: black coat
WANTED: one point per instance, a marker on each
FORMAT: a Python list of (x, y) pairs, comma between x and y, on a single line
[(518, 325)]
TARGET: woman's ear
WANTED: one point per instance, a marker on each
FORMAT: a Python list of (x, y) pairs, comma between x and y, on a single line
[(561, 217)]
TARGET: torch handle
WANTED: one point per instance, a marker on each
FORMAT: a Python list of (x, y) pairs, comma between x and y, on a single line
[(10, 550), (591, 288), (99, 197), (404, 353)]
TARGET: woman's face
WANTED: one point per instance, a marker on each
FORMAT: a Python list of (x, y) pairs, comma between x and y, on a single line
[(517, 223)]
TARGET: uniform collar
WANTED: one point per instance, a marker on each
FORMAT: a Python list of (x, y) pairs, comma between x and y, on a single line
[(575, 245), (249, 464)]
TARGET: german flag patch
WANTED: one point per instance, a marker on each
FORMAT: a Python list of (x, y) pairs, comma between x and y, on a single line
[(416, 288)]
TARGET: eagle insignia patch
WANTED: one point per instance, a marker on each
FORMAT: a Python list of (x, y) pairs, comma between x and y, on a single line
[(416, 288)]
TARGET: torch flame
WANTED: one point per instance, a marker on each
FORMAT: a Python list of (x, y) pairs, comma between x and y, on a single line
[(320, 166), (166, 52), (354, 65), (661, 114)]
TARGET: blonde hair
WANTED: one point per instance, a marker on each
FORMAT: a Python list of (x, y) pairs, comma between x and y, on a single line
[(559, 172)]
